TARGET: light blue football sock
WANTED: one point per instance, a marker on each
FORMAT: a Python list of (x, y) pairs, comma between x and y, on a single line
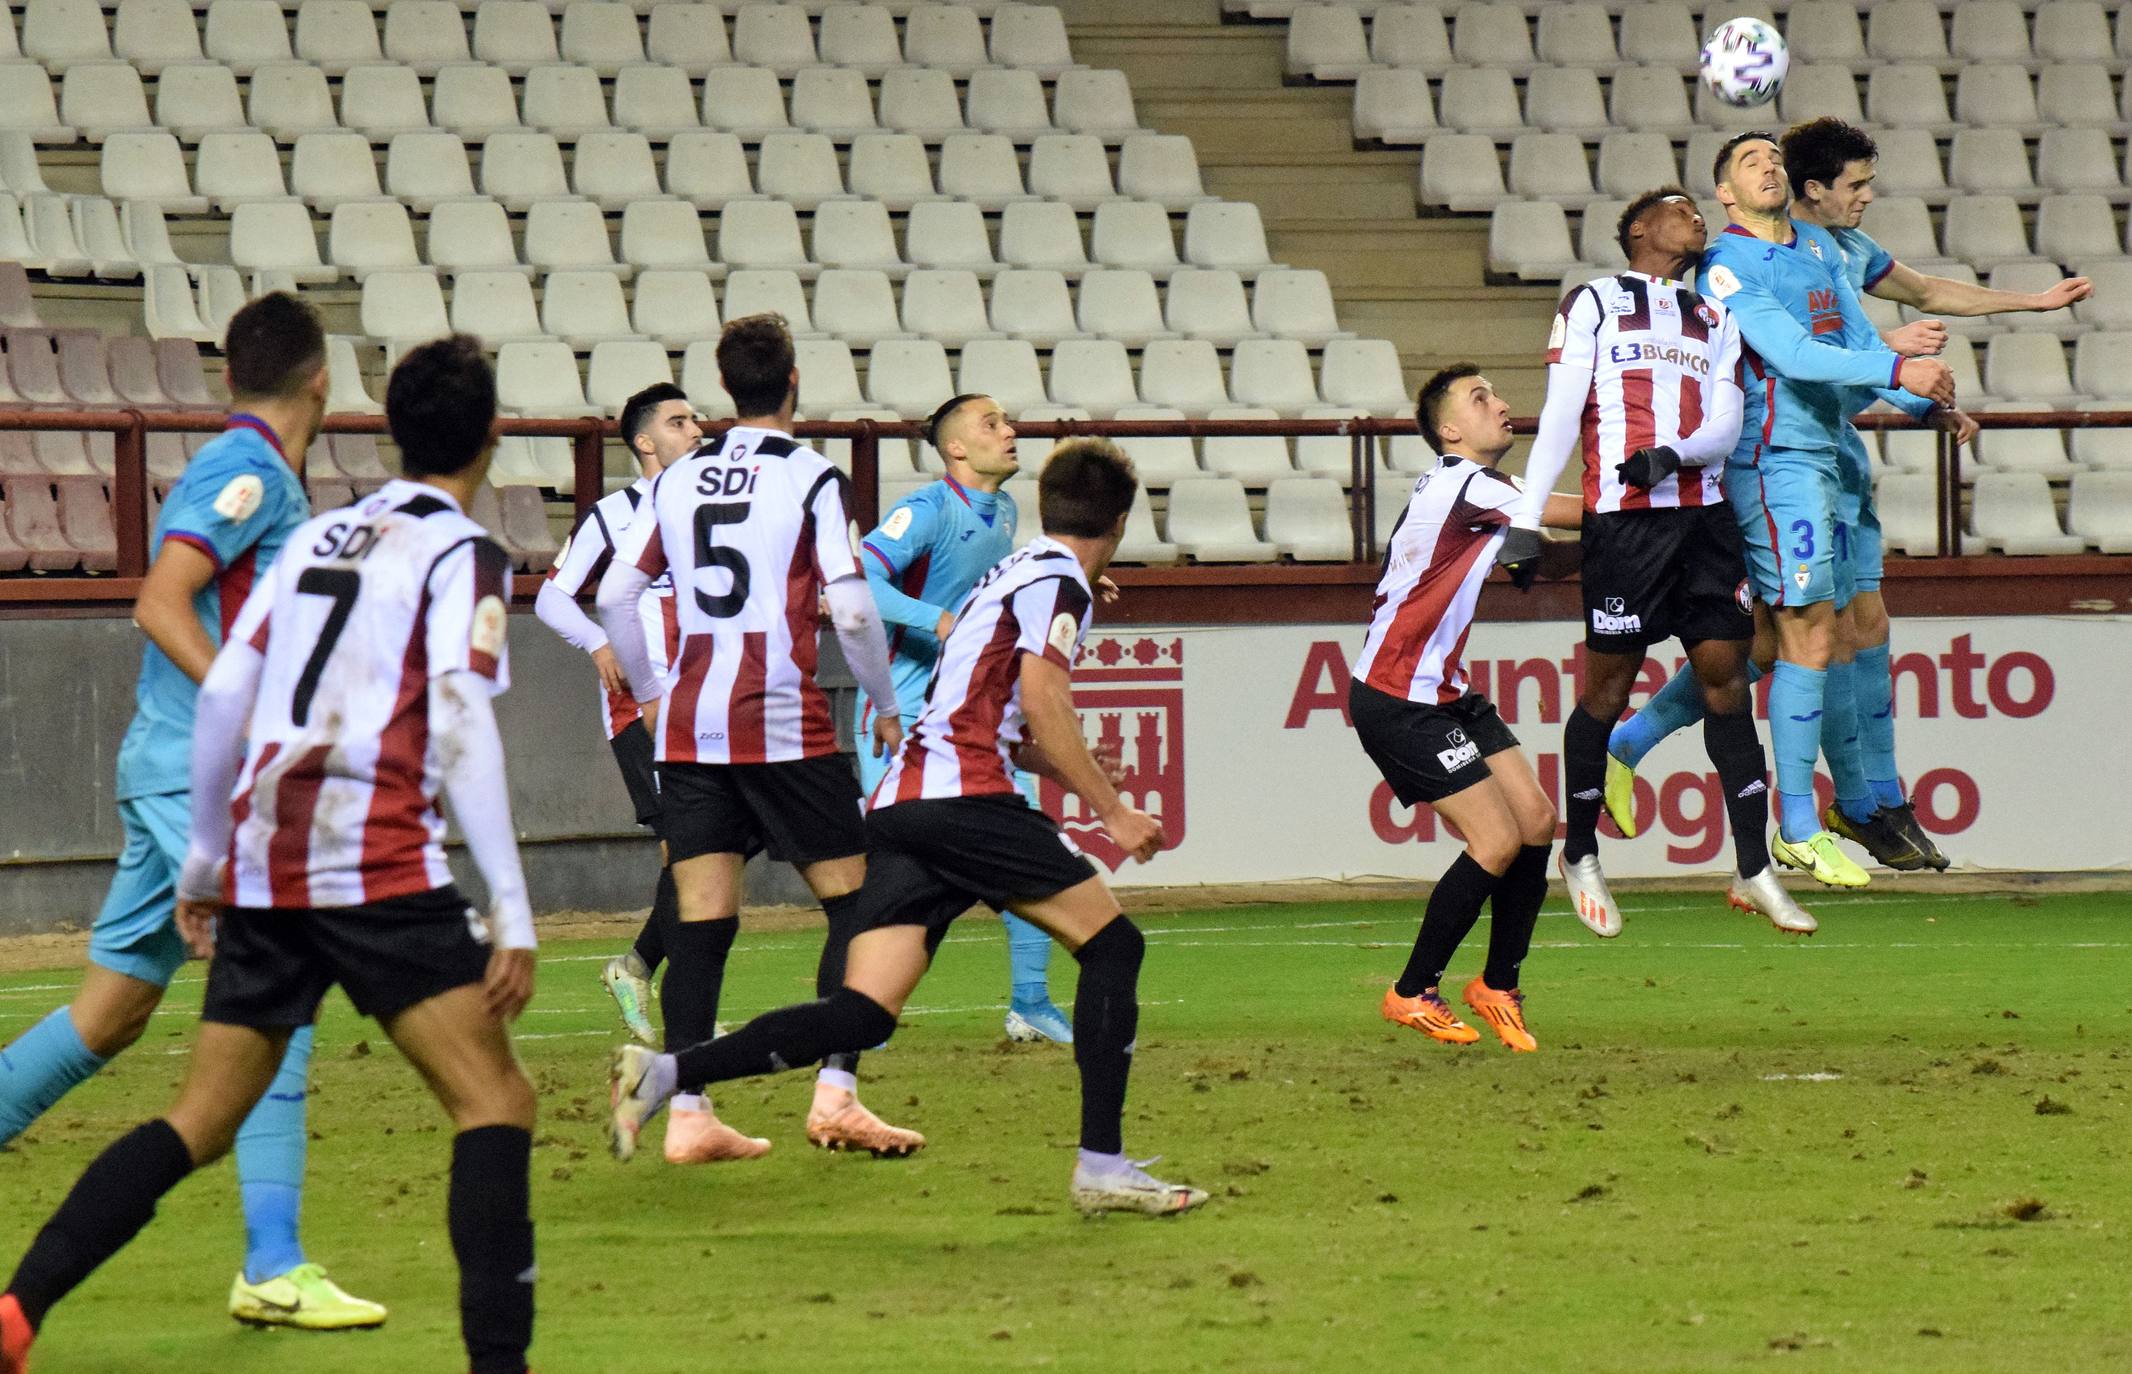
[(1795, 708), (1671, 709), (1873, 685), (1029, 955), (38, 1069), (1839, 744), (270, 1166)]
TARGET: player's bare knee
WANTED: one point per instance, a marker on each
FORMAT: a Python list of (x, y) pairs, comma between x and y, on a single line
[(109, 1026), (1536, 822), (1495, 847), (506, 1099)]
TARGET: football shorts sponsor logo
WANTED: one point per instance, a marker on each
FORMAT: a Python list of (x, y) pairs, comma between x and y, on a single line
[(1803, 576), (1721, 281), (1743, 598), (1611, 617), (1459, 755), (490, 620), (898, 523), (240, 498), (1064, 630), (1688, 360)]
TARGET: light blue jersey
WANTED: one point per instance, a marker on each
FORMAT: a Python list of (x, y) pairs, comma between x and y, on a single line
[(236, 502), (923, 558)]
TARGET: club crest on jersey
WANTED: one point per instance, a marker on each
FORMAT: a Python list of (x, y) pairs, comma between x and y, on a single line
[(240, 497), (490, 621), (1707, 313), (1662, 304), (1721, 281), (1129, 694), (898, 522)]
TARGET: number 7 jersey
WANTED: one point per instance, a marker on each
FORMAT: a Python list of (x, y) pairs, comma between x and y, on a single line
[(367, 605), (752, 525)]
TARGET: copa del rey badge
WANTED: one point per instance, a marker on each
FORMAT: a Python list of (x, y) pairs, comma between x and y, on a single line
[(1129, 693)]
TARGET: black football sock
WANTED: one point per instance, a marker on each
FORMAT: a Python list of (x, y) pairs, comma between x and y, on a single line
[(1583, 781), (843, 914), (489, 1214), (665, 907), (1513, 911), (111, 1201), (1743, 771), (695, 973), (1453, 908), (1106, 1021), (788, 1038)]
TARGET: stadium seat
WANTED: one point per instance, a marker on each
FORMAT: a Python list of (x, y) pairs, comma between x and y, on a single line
[(2037, 451), (762, 233), (148, 165), (474, 101), (676, 36), (1007, 102), (1071, 168), (892, 169), (665, 233), (982, 169), (345, 393), (707, 168), (522, 166), (335, 35), (1650, 99), (565, 101), (382, 100), (949, 233), (1254, 460), (745, 101), (827, 378), (2033, 278), (769, 291), (2110, 307), (1273, 373), (620, 368), (675, 307), (1985, 231), (1325, 43), (132, 367), (1997, 94), (1566, 100), (84, 373), (1908, 506), (2099, 510), (85, 519), (2071, 31), (584, 308), (920, 103), (1529, 239), (774, 36), (539, 378), (1143, 543), (1990, 31), (1208, 303), (425, 34), (1363, 373), (1032, 38), (515, 35), (1412, 35), (328, 168), (371, 236), (1488, 35), (1909, 165), (1307, 519), (1031, 304), (48, 238), (290, 99), (2012, 512), (1995, 162), (801, 169), (34, 534), (98, 99), (1903, 226), (96, 228), (60, 33), (1819, 89), (601, 36), (1906, 31), (1578, 33), (1907, 96), (832, 101), (892, 456), (1551, 167), (1159, 461), (277, 236), (1462, 173), (948, 38), (1042, 234), (1322, 455), (614, 168), (1092, 375), (234, 168), (178, 367), (655, 101), (1393, 106), (1480, 100), (858, 306), (1184, 374), (170, 310), (27, 105), (1095, 101), (1210, 520), (2074, 94), (245, 35), (910, 376), (1135, 234), (2024, 366), (942, 304), (1004, 369), (856, 233), (1292, 303), (1226, 234), (404, 308), (153, 34), (861, 38), (496, 307), (562, 235), (192, 100), (2076, 160), (2102, 363), (1632, 163), (471, 234), (1825, 33), (424, 168)]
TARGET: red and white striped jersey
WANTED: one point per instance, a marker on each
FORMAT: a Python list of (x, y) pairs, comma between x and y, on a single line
[(336, 804), (752, 526), (1433, 570), (1656, 351), (1035, 601), (583, 561)]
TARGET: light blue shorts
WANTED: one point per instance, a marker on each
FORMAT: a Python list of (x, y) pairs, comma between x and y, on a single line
[(1858, 544), (136, 933), (1786, 504), (872, 769)]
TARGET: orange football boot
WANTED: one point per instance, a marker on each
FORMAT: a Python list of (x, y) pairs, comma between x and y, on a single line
[(1430, 1014), (844, 1123), (15, 1337), (1505, 1011), (699, 1137)]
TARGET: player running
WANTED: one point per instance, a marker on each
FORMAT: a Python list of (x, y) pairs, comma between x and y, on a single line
[(1644, 376), (1813, 361), (755, 530), (659, 426), (924, 557), (221, 527), (361, 668), (1438, 742), (948, 829), (1832, 166)]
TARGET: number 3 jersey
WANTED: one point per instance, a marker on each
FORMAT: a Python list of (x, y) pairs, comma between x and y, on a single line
[(752, 526), (336, 804)]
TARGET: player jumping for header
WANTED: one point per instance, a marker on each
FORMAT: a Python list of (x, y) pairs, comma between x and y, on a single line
[(360, 669), (755, 529), (221, 527), (1435, 740), (948, 829), (1644, 375)]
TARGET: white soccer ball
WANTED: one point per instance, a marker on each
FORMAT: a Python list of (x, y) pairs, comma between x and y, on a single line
[(1744, 62)]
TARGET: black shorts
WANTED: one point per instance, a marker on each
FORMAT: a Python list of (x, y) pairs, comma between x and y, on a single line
[(1650, 575), (272, 965), (633, 755), (800, 812), (1427, 752), (930, 861)]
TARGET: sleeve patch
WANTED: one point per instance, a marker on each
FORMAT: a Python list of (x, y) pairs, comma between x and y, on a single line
[(898, 522), (1721, 281), (852, 528), (490, 619), (240, 498), (1065, 629), (1558, 331)]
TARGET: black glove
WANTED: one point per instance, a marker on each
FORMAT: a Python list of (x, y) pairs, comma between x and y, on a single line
[(1647, 467), (1520, 555)]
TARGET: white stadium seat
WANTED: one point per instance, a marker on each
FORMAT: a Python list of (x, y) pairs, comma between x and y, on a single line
[(539, 378), (1094, 375), (1326, 43), (677, 36), (1579, 32), (1030, 37), (371, 236), (675, 307), (982, 169), (1121, 303), (891, 168), (2036, 451), (1529, 239), (1631, 163), (2013, 513), (654, 100), (516, 35), (2072, 31), (289, 99), (1480, 100), (1307, 519), (1136, 234), (861, 38), (2099, 510), (102, 98), (1293, 303), (59, 33), (1227, 234), (381, 100), (277, 235), (2028, 367), (1184, 373), (1985, 231), (799, 168), (833, 101), (1042, 234), (584, 309), (495, 307), (1551, 167), (522, 166), (769, 291), (1413, 36), (1253, 459), (471, 234), (1908, 506), (2071, 94), (148, 165), (1815, 89), (827, 378), (1071, 168), (1002, 101), (335, 35), (943, 304), (1159, 461), (234, 168), (1143, 543), (1825, 32), (762, 233), (1364, 373), (403, 308), (1906, 31), (1995, 162), (1004, 369), (27, 104), (1210, 520), (707, 168), (1095, 101), (1907, 96), (858, 306), (601, 36), (774, 36), (856, 233), (1990, 31), (910, 376), (1566, 100), (1274, 373), (921, 102), (1486, 35), (1999, 94), (949, 233), (662, 232), (245, 35), (562, 235), (153, 34), (1909, 165), (745, 101), (1030, 303), (565, 101), (425, 34), (949, 38), (1461, 172), (1596, 243), (1208, 303), (2075, 160), (328, 168), (474, 101), (1393, 105), (614, 168)]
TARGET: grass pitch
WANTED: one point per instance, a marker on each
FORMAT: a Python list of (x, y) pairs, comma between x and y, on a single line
[(1897, 1146)]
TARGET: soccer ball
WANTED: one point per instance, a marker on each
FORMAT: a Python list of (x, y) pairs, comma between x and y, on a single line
[(1744, 62)]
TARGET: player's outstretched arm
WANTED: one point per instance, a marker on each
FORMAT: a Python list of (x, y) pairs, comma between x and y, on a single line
[(1947, 296), (472, 756), (1061, 754), (865, 644)]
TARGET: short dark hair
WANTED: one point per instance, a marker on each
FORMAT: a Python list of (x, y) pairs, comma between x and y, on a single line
[(1819, 149), (440, 404), (1087, 483), (1725, 150), (1642, 205), (945, 413), (1434, 392), (274, 346), (638, 410), (755, 361)]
